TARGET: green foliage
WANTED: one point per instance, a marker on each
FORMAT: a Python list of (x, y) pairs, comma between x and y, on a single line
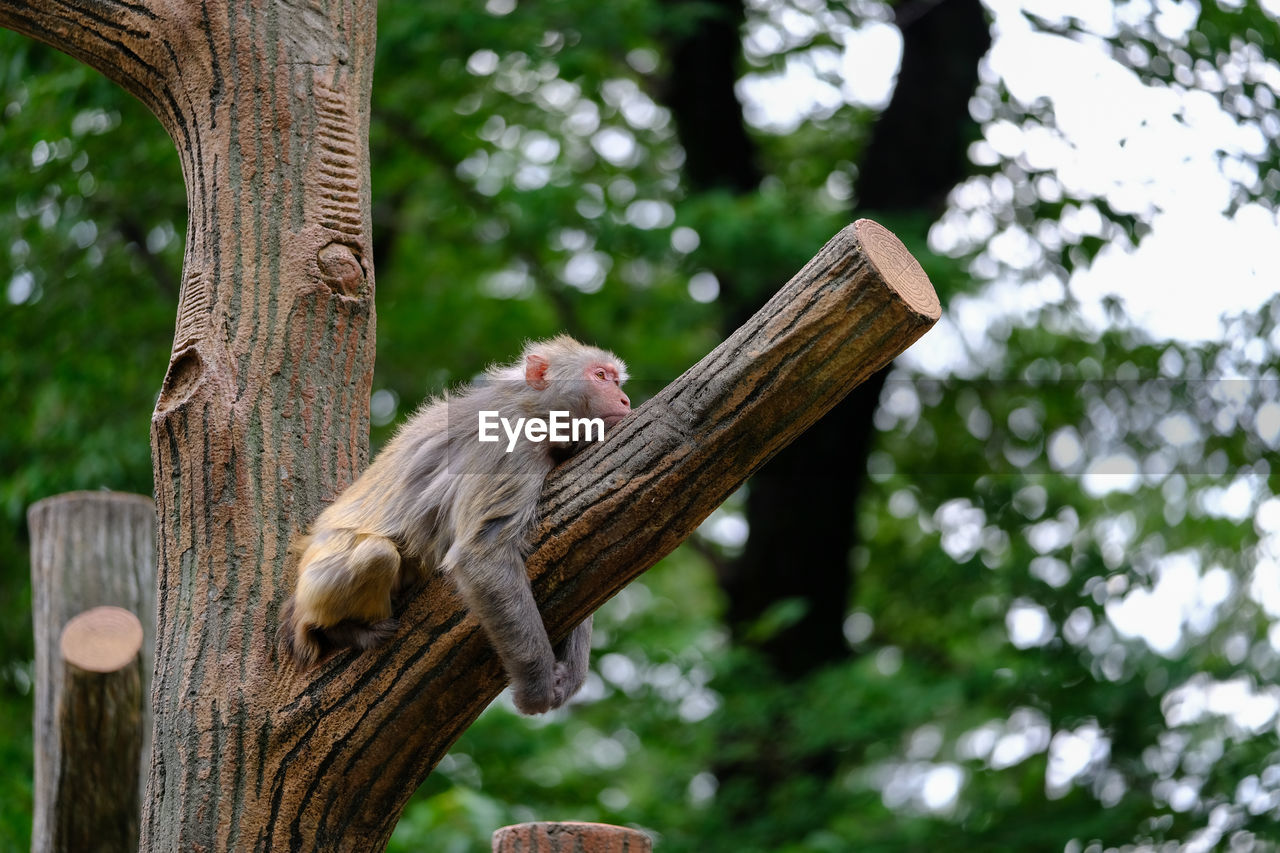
[(998, 692), (15, 781)]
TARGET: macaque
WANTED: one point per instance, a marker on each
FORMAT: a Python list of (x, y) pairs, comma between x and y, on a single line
[(457, 490)]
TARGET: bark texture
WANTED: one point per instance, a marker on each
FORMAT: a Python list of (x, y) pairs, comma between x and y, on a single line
[(87, 549), (570, 837), (100, 719)]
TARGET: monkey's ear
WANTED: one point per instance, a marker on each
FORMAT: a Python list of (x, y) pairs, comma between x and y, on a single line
[(535, 371)]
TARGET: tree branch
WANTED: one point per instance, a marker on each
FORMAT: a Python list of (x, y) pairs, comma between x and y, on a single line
[(123, 39), (618, 508), (608, 515)]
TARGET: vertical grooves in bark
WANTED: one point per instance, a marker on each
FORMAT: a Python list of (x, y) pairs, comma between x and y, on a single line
[(269, 380), (339, 173), (194, 310)]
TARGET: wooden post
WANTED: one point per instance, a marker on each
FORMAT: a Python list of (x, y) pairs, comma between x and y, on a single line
[(100, 733), (87, 549), (570, 837)]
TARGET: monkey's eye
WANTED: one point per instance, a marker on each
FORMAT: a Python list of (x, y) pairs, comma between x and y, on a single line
[(599, 374)]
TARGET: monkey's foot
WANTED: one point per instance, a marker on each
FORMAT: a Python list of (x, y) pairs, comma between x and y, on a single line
[(360, 635)]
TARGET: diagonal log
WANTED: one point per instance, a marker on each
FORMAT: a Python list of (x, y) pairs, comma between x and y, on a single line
[(617, 509), (609, 514)]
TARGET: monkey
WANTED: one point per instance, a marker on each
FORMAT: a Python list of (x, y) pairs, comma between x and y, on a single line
[(445, 495)]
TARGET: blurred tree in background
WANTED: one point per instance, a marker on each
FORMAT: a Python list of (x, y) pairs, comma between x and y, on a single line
[(1017, 594)]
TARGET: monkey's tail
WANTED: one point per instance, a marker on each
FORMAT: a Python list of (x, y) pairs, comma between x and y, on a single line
[(297, 645)]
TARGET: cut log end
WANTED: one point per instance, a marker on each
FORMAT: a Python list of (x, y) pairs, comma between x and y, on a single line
[(898, 267), (570, 837), (103, 639)]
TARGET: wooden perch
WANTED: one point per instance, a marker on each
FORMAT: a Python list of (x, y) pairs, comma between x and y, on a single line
[(570, 837), (95, 806), (608, 514), (87, 549), (853, 308)]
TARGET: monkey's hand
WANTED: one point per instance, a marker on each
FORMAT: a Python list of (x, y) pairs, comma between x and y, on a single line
[(493, 581), (544, 692)]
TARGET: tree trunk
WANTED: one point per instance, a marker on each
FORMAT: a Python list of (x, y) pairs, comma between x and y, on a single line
[(919, 149), (916, 155), (719, 154), (800, 508), (263, 413)]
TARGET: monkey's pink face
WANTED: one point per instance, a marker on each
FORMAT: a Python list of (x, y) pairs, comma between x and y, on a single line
[(608, 401)]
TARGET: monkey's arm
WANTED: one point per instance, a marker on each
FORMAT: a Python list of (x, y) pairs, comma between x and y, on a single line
[(496, 588)]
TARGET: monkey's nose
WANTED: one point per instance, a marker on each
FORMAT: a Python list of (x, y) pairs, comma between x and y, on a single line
[(625, 401)]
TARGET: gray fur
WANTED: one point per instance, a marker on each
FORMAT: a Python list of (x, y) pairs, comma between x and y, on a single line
[(438, 498)]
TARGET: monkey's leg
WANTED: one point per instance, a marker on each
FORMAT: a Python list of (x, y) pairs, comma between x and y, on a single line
[(343, 596), (496, 588), (574, 652), (374, 574)]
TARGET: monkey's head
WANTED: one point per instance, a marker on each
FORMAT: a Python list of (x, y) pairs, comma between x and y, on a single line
[(584, 380)]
